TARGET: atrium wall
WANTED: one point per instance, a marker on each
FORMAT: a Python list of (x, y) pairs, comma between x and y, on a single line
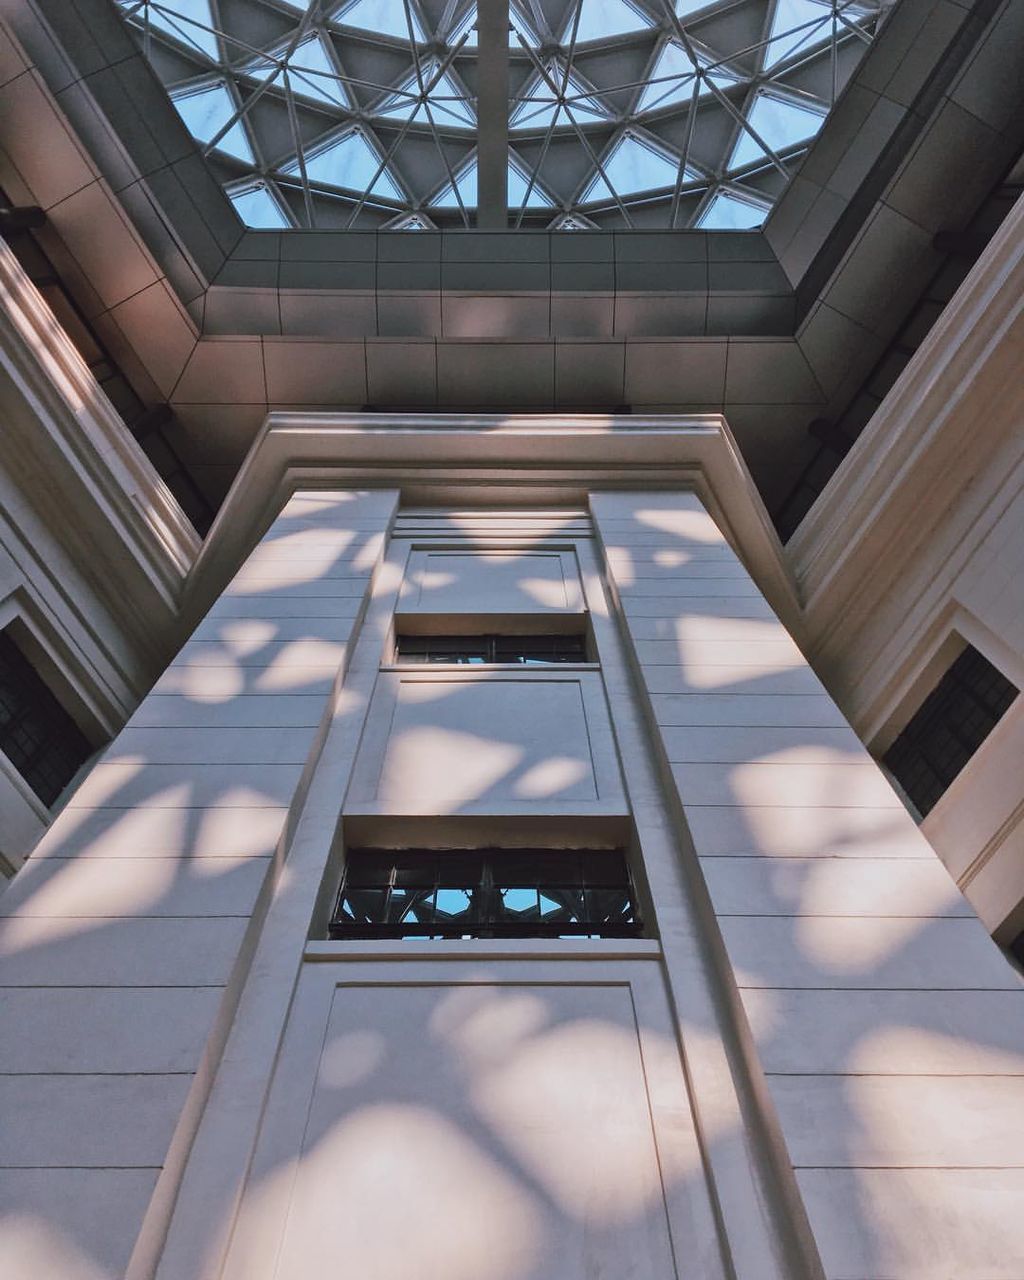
[(808, 1062), (914, 550), (803, 1067)]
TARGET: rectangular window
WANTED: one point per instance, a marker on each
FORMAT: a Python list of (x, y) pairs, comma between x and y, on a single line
[(36, 734), (486, 893), (950, 725), (474, 650)]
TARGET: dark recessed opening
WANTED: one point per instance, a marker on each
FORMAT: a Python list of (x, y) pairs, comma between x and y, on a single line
[(36, 734), (486, 893), (948, 728), (474, 650)]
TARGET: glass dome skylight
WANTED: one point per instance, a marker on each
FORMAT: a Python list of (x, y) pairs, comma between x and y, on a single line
[(621, 113)]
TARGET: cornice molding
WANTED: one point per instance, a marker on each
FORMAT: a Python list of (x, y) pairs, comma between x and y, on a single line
[(958, 401), (494, 460), (80, 477)]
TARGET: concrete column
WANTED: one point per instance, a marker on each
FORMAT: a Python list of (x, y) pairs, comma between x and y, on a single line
[(889, 1027), (128, 932)]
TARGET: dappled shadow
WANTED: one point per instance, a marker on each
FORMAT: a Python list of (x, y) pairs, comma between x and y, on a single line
[(889, 1026), (487, 1131), (483, 1136)]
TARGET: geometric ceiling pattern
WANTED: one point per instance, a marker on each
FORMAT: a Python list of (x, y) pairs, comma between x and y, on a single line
[(621, 113)]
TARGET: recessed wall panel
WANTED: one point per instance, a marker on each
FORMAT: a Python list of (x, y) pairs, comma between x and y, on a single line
[(494, 1121), (457, 742), (506, 580)]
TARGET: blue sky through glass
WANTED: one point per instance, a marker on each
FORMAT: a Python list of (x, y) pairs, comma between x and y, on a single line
[(519, 899), (780, 123), (726, 213), (539, 106), (632, 166), (384, 16), (205, 111), (601, 18), (813, 19), (447, 101), (351, 75), (190, 21), (258, 208), (349, 162), (672, 79)]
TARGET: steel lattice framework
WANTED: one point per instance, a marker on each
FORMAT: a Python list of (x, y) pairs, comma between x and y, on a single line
[(411, 114)]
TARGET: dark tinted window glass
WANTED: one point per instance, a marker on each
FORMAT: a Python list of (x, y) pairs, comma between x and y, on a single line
[(486, 893), (36, 734), (951, 724), (524, 650)]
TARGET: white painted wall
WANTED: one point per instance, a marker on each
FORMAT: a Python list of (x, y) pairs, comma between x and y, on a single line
[(807, 1071), (889, 1028), (916, 546), (126, 936)]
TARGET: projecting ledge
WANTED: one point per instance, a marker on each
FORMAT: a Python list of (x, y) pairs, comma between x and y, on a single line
[(466, 460), (560, 949)]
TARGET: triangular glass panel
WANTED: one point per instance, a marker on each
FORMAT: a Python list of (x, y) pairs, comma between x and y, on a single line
[(601, 18), (671, 80), (189, 21), (448, 103), (206, 111), (633, 166), (780, 123), (571, 222), (348, 162), (466, 181), (257, 207), (548, 905), (684, 8), (539, 105), (726, 213), (313, 73), (387, 17), (518, 181), (521, 26), (796, 24), (466, 25)]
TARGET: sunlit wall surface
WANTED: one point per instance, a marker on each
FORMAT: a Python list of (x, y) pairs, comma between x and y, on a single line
[(621, 113)]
